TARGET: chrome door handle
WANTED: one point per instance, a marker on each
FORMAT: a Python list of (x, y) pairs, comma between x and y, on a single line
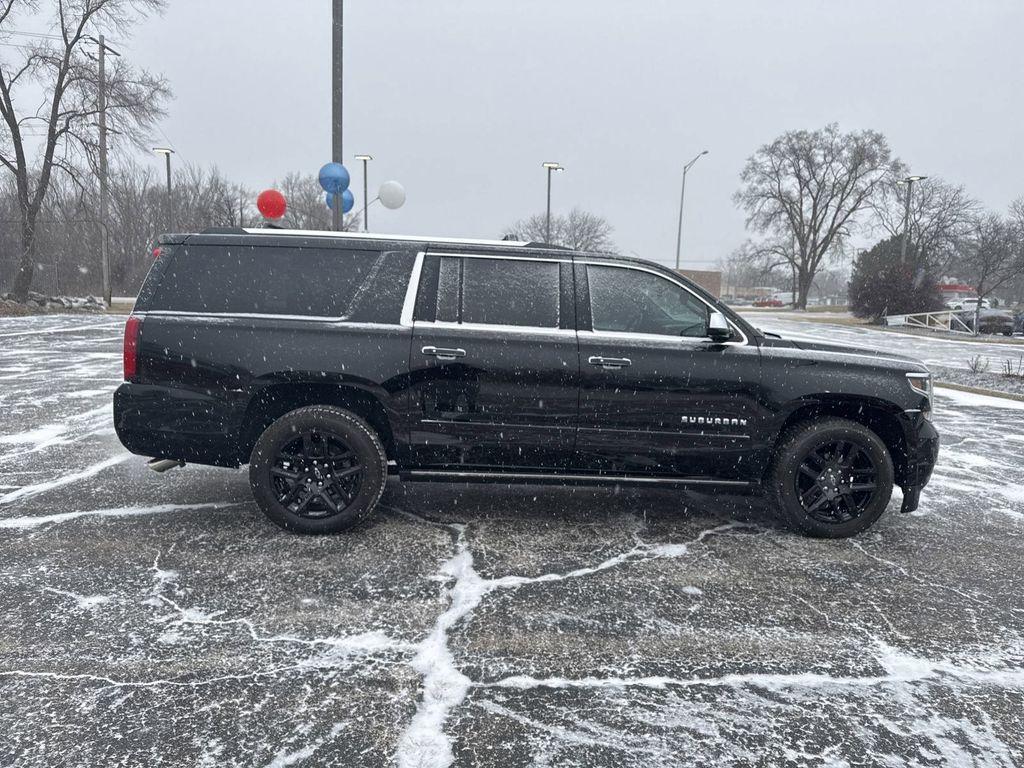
[(611, 363), (442, 353)]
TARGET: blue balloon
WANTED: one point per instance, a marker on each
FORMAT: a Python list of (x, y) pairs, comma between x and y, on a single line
[(348, 201), (334, 178)]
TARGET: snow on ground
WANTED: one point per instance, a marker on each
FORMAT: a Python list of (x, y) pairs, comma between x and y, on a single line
[(933, 350), (160, 620)]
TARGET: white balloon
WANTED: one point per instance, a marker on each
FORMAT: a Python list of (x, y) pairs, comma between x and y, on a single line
[(392, 195)]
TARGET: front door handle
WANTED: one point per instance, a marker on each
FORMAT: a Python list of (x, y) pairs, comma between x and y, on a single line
[(610, 363), (441, 353)]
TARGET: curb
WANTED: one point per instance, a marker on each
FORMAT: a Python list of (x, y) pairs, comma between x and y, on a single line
[(980, 391)]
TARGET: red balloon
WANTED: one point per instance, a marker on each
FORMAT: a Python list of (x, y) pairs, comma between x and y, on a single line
[(272, 204)]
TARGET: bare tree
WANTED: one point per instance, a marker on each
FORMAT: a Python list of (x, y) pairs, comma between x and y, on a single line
[(580, 231), (805, 190), (307, 205), (60, 67), (992, 256), (941, 214)]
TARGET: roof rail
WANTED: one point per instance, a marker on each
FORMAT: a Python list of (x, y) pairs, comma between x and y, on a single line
[(369, 236), (223, 231)]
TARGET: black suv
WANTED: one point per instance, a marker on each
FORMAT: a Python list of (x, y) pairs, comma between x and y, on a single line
[(327, 361)]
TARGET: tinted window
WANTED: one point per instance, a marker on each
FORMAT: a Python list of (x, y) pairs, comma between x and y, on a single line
[(632, 301), (269, 280), (510, 292)]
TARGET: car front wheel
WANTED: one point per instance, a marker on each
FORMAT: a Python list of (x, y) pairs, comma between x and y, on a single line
[(831, 478), (318, 470)]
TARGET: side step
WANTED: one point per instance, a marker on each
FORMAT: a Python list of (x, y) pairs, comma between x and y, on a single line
[(164, 465)]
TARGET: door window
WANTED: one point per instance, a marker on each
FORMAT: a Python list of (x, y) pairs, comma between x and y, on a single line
[(516, 292), (632, 301)]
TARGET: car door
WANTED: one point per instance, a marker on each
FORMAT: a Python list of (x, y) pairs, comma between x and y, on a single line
[(657, 396), (494, 364)]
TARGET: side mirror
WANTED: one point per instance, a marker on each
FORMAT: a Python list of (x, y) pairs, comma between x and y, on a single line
[(719, 330)]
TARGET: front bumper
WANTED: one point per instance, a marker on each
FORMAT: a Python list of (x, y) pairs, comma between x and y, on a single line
[(922, 452)]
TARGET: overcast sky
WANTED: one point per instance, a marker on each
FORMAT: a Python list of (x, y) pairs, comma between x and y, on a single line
[(462, 100)]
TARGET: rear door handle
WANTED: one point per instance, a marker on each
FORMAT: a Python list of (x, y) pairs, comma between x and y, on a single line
[(611, 363), (442, 353)]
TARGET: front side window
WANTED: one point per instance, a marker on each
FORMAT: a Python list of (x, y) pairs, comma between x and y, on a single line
[(516, 292), (632, 301)]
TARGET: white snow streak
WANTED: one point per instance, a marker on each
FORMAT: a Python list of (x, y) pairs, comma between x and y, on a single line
[(27, 523), (34, 490)]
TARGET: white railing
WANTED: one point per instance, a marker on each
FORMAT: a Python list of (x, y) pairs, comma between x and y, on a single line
[(932, 321)]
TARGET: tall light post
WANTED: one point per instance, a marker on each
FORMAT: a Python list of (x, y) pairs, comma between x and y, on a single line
[(167, 152), (909, 181), (552, 167), (366, 191), (682, 199), (337, 80)]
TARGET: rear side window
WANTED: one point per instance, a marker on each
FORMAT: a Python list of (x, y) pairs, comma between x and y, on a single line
[(308, 282), (515, 292)]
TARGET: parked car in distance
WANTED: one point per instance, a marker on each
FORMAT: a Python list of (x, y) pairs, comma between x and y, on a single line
[(768, 301), (990, 321), (968, 304), (327, 361)]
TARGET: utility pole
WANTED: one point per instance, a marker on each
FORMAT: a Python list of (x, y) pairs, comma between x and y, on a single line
[(366, 191), (167, 152), (338, 110), (104, 168), (682, 199), (909, 181)]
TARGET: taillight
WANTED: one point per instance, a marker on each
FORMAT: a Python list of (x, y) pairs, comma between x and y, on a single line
[(156, 253), (132, 332)]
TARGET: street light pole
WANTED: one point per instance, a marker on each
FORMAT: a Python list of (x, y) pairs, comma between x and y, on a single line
[(552, 167), (338, 104), (909, 181), (682, 199), (366, 192), (167, 152)]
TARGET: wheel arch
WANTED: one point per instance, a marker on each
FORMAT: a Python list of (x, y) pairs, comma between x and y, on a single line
[(276, 399), (881, 417)]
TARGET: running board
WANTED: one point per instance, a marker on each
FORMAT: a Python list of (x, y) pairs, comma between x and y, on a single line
[(528, 477)]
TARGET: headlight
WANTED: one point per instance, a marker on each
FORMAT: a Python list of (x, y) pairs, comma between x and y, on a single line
[(922, 384)]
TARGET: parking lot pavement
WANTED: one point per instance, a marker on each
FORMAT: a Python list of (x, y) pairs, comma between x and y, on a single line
[(934, 350), (162, 621)]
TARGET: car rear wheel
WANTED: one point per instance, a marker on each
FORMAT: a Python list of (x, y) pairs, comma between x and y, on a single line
[(831, 478), (318, 470)]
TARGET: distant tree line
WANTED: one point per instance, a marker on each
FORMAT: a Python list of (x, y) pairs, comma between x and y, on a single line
[(67, 232), (808, 193)]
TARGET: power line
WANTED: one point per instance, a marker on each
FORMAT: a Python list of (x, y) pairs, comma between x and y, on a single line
[(43, 35)]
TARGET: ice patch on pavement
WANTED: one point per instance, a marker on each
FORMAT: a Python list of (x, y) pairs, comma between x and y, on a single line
[(34, 490)]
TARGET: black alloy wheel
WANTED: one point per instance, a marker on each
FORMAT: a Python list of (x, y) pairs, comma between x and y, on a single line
[(316, 475), (836, 482), (318, 469), (831, 477)]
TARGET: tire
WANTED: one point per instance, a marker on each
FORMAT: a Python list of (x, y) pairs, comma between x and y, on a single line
[(318, 470), (815, 450)]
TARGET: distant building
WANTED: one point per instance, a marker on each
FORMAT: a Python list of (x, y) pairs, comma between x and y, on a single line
[(954, 291), (708, 279)]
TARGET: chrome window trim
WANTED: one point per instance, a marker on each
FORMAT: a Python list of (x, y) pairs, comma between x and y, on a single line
[(502, 256), (514, 329), (411, 291), (638, 336), (267, 316)]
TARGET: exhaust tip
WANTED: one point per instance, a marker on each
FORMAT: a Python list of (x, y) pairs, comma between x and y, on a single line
[(164, 465)]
